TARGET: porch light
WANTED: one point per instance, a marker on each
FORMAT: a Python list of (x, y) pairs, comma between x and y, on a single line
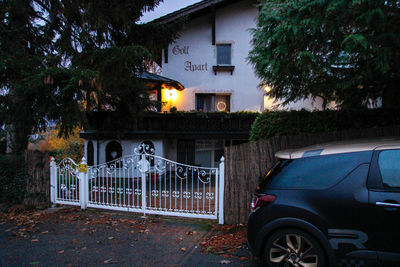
[(171, 94), (267, 88)]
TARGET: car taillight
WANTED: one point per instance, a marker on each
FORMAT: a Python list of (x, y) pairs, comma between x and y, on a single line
[(261, 200)]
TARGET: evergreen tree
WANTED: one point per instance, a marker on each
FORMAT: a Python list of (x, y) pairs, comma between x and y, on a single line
[(347, 51), (62, 58)]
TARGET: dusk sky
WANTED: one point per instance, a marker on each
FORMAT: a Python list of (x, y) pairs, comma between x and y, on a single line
[(167, 7)]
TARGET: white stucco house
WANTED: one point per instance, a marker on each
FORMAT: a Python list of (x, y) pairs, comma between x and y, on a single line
[(210, 59), (207, 70)]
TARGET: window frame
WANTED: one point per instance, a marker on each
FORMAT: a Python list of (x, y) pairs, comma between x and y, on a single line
[(375, 182), (110, 145), (214, 95), (230, 54), (362, 157)]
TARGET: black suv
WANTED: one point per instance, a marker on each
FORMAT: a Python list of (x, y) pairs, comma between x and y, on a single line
[(333, 204)]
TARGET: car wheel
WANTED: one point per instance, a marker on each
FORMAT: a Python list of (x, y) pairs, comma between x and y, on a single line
[(292, 247)]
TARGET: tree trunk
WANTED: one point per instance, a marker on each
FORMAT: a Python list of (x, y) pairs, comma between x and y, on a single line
[(17, 138)]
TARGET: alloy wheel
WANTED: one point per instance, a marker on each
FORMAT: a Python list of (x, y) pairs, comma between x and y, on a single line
[(293, 249)]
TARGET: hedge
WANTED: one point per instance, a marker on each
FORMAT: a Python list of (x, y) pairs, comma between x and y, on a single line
[(280, 123), (12, 179)]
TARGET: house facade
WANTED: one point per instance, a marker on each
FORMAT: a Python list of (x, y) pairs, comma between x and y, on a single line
[(210, 60), (210, 72)]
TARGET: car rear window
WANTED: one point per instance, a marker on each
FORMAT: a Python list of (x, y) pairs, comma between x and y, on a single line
[(318, 172), (389, 167)]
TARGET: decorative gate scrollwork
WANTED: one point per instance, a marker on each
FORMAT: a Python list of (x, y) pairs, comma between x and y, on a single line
[(142, 182)]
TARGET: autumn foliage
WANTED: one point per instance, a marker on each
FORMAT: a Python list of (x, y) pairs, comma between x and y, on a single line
[(225, 240), (60, 147)]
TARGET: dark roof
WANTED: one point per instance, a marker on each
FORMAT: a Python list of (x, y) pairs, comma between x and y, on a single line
[(194, 10), (154, 78)]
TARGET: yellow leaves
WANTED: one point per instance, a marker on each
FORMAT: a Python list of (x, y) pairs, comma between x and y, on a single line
[(71, 147), (57, 143)]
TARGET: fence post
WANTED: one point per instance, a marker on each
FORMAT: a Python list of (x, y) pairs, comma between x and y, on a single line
[(144, 167), (221, 191), (83, 184), (53, 180)]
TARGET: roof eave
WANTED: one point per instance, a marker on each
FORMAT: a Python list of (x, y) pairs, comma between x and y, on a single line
[(189, 10)]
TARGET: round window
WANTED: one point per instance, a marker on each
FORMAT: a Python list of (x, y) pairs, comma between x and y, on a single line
[(221, 106)]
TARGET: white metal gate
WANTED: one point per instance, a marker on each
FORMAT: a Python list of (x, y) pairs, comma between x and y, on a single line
[(143, 183)]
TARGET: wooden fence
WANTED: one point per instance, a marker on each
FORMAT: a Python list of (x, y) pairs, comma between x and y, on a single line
[(245, 163), (38, 179)]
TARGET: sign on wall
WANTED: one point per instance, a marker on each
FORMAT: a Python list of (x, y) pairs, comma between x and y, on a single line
[(188, 65), (177, 50)]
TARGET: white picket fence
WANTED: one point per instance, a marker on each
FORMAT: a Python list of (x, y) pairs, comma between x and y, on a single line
[(142, 183)]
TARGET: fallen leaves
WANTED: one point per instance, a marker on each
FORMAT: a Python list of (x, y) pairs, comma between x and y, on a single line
[(222, 240), (27, 221), (225, 239)]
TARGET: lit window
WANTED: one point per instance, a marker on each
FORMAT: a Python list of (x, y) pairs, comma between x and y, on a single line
[(224, 54), (213, 102)]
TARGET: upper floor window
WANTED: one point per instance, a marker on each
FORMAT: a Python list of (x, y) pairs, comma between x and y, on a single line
[(224, 54), (213, 102)]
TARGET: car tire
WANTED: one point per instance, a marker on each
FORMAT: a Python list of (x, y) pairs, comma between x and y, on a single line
[(292, 247)]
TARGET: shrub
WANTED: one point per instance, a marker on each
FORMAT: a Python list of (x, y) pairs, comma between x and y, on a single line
[(59, 147), (13, 176), (279, 123)]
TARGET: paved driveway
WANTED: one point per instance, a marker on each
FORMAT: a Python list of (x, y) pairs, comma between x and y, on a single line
[(69, 237)]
